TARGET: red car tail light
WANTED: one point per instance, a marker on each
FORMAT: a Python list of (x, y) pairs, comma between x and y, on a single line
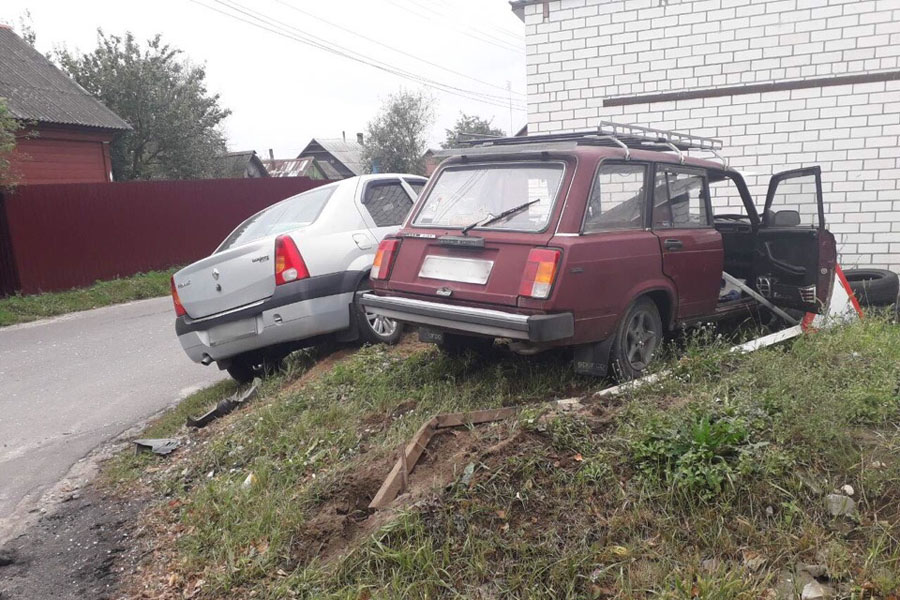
[(540, 273), (179, 309), (384, 259), (289, 265)]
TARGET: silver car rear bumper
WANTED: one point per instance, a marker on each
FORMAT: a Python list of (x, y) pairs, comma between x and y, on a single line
[(466, 319), (282, 324)]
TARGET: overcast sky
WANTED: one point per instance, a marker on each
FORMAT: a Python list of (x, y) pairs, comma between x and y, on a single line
[(283, 92)]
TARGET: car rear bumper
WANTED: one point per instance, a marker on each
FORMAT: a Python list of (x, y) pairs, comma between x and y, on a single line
[(298, 310), (479, 321)]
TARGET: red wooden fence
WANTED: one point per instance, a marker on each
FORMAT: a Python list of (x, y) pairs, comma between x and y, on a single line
[(56, 237)]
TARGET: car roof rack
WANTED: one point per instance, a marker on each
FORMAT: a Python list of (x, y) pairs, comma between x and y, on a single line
[(607, 133)]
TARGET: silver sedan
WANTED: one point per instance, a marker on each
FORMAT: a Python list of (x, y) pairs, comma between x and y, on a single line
[(288, 276)]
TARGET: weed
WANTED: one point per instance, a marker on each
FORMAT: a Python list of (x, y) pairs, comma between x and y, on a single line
[(20, 309), (728, 459)]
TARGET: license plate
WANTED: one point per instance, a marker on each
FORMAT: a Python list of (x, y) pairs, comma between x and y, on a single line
[(228, 332), (464, 270)]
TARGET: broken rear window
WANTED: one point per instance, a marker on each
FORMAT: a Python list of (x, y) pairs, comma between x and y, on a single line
[(465, 195)]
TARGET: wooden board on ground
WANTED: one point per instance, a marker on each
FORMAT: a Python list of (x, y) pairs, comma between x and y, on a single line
[(397, 478)]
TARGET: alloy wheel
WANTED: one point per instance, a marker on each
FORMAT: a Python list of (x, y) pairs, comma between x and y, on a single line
[(641, 340), (381, 325)]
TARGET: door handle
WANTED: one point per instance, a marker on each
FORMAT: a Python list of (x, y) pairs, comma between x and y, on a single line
[(673, 244)]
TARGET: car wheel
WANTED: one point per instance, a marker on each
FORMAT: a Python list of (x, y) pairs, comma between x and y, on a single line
[(244, 370), (378, 329), (241, 371), (638, 337), (873, 287)]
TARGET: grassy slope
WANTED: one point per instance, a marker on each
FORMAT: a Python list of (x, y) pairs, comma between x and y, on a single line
[(20, 309), (709, 484)]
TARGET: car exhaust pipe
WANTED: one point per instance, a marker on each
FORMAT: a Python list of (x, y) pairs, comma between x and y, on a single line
[(206, 360)]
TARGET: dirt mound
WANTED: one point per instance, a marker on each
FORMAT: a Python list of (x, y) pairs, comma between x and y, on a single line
[(344, 518)]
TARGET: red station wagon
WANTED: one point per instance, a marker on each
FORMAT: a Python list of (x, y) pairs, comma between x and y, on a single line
[(602, 240)]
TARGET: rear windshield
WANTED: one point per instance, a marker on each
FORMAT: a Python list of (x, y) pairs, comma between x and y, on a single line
[(289, 214), (465, 195)]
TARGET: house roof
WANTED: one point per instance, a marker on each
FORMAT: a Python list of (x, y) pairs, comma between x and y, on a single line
[(235, 164), (347, 153), (299, 167), (36, 90)]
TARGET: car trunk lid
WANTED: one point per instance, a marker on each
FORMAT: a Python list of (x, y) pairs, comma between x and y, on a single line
[(228, 280)]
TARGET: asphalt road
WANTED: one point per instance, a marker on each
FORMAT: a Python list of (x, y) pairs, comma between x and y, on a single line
[(69, 384)]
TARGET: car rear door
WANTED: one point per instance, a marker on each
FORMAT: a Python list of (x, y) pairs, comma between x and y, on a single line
[(795, 254), (692, 250)]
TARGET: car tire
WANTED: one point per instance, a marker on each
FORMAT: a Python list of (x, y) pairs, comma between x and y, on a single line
[(638, 337), (873, 287), (241, 371), (244, 370), (376, 329)]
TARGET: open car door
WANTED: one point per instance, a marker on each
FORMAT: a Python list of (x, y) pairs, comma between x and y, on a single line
[(795, 255)]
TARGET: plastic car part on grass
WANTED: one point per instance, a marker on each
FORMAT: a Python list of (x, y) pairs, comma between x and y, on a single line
[(225, 406)]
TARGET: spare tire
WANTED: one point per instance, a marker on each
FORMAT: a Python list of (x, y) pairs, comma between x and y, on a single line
[(874, 287)]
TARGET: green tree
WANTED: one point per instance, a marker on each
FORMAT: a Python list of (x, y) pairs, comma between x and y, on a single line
[(8, 128), (398, 137), (176, 122), (471, 125)]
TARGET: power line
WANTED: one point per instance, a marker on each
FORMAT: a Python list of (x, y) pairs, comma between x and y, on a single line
[(309, 39), (391, 48), (472, 33), (513, 37), (276, 27)]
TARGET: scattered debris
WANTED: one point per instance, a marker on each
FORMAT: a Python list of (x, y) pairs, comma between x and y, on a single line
[(839, 505), (226, 406), (161, 446), (815, 591), (817, 571), (753, 560), (569, 404), (249, 481), (6, 558), (847, 489), (468, 472), (710, 565)]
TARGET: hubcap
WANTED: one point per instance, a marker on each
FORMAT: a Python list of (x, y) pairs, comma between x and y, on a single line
[(383, 326), (641, 340)]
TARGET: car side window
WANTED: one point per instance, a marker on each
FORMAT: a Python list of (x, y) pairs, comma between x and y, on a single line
[(387, 203), (617, 198), (679, 198), (725, 196)]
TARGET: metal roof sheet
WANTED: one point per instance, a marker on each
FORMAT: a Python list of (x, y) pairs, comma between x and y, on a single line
[(36, 90), (348, 153)]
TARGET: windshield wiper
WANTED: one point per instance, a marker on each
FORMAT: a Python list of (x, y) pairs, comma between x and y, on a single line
[(506, 213)]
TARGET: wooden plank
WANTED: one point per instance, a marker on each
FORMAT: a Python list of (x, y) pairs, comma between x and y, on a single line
[(391, 486), (397, 480), (475, 417)]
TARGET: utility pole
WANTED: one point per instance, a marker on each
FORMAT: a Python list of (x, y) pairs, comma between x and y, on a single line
[(509, 91)]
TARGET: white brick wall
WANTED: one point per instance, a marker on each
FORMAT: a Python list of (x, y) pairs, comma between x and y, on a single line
[(588, 51)]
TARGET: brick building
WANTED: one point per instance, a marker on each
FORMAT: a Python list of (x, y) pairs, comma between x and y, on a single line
[(784, 83)]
